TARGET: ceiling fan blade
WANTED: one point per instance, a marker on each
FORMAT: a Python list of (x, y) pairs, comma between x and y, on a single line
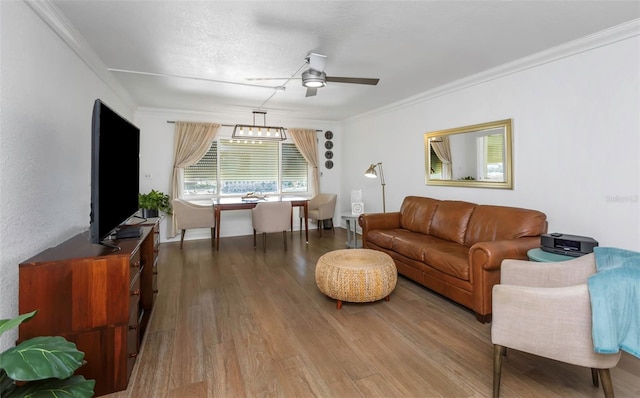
[(311, 91), (354, 80), (317, 61)]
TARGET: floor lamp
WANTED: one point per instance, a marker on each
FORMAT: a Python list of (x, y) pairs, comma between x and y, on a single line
[(371, 173)]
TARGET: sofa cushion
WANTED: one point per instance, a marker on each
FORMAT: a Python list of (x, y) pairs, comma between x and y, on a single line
[(383, 237), (449, 258), (416, 213), (450, 220), (491, 223), (412, 244)]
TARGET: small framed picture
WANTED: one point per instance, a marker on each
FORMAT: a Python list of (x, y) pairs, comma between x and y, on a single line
[(357, 208)]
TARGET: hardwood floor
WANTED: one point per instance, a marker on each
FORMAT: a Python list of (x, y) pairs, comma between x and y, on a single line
[(242, 323)]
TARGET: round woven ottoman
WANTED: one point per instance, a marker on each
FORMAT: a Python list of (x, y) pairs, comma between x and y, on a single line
[(356, 275)]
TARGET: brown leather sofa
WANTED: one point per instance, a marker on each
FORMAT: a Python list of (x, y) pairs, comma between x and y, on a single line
[(452, 247)]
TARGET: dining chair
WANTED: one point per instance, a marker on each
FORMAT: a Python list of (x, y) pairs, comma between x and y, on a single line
[(190, 216), (320, 209), (268, 217)]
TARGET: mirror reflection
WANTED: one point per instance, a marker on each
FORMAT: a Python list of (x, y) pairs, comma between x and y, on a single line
[(472, 156)]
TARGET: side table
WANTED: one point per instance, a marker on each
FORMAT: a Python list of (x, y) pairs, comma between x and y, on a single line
[(352, 235), (542, 256)]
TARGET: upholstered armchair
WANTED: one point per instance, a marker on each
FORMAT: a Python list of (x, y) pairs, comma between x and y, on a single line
[(270, 217), (190, 215), (321, 207), (545, 309)]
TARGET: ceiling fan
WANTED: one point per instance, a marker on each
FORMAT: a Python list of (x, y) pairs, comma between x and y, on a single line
[(312, 78), (315, 77)]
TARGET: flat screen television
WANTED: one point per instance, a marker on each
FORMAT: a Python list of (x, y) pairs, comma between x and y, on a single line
[(115, 172)]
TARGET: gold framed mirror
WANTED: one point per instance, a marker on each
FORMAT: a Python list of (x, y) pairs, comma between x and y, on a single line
[(472, 156)]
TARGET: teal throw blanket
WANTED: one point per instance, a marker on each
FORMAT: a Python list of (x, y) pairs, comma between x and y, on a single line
[(615, 301)]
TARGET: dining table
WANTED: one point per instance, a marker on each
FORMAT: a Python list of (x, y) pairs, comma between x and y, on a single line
[(246, 203)]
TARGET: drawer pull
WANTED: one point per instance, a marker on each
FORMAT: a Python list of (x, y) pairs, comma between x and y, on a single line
[(155, 290), (133, 327), (135, 292), (133, 355), (155, 272), (137, 264)]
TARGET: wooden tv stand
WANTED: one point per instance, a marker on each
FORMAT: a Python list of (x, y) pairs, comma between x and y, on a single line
[(96, 297)]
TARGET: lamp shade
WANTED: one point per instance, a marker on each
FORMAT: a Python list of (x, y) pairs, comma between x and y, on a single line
[(371, 172)]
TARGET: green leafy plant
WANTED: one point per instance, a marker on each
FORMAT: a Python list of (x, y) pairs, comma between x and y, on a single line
[(466, 178), (155, 200), (41, 367)]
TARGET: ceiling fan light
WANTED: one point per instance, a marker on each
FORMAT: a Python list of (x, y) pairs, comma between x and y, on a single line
[(314, 79), (314, 84)]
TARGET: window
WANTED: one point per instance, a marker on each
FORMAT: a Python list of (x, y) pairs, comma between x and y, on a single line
[(436, 164), (294, 169), (235, 168), (248, 167), (201, 178), (493, 164)]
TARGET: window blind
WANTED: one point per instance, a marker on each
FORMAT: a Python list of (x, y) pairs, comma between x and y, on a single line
[(248, 167), (239, 167), (495, 148), (294, 169), (201, 178)]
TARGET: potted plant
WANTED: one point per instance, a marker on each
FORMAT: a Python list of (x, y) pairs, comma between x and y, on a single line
[(152, 202), (41, 366)]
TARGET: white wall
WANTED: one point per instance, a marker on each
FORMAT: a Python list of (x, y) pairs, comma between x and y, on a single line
[(576, 142), (156, 159), (46, 100)]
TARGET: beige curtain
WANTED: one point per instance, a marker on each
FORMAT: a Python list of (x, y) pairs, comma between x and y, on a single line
[(192, 141), (443, 151), (307, 143)]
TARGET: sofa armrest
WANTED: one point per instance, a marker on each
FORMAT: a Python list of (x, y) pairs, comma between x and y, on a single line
[(379, 220), (489, 255), (371, 221), (485, 259)]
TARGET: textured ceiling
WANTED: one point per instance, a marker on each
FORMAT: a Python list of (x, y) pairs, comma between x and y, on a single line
[(411, 46)]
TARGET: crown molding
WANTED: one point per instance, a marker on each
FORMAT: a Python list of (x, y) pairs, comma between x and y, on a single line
[(600, 39), (52, 16), (231, 115)]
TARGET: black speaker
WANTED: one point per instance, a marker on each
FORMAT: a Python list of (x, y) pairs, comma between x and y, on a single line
[(568, 245)]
